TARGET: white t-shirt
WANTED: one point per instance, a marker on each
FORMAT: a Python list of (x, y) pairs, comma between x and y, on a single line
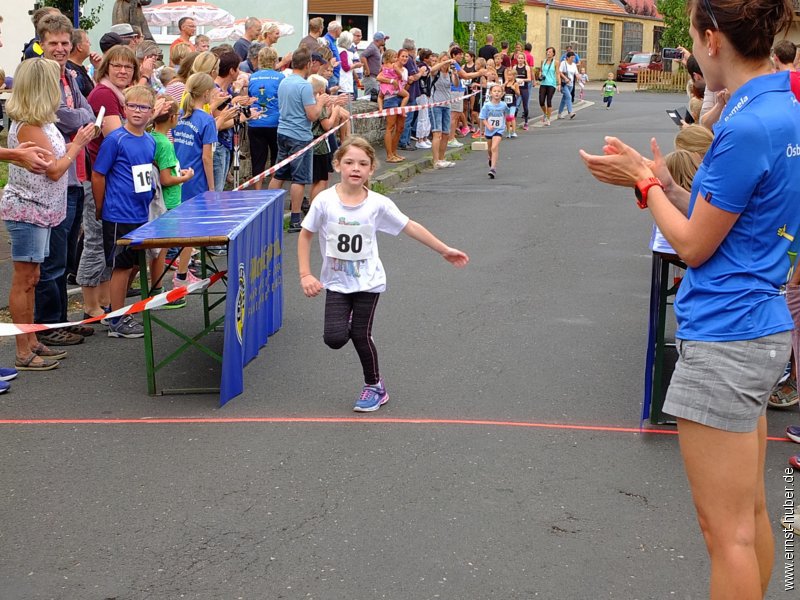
[(348, 239), (570, 70)]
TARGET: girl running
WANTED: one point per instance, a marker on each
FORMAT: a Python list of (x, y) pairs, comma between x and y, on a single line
[(493, 116), (524, 82), (347, 218), (511, 99)]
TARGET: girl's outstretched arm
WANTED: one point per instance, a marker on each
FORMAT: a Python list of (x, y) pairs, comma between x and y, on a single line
[(418, 232), (310, 284)]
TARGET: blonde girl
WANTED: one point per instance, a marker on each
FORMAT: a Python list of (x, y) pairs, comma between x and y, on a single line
[(352, 273), (194, 136)]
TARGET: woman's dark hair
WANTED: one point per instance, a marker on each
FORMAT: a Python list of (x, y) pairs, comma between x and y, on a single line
[(749, 25), (425, 54)]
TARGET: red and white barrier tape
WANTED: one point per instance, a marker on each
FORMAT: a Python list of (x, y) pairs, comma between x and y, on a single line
[(400, 110), (157, 301)]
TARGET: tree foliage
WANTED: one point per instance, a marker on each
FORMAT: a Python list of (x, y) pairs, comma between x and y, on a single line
[(86, 20), (676, 22), (506, 25)]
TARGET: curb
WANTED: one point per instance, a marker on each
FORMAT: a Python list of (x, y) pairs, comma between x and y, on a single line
[(408, 169), (538, 122)]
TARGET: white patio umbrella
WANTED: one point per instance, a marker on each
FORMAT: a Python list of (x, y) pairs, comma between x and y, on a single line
[(164, 15), (236, 30)]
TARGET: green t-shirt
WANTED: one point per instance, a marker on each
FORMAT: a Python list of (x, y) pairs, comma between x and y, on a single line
[(609, 88), (166, 159)]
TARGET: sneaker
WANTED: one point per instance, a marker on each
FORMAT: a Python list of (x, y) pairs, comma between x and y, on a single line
[(126, 327), (787, 371), (454, 144), (476, 135), (176, 283), (525, 126), (81, 330), (571, 115), (59, 337), (558, 116), (791, 520), (793, 433), (547, 122), (4, 387), (294, 227), (513, 134), (794, 461), (406, 148), (492, 173), (464, 130), (372, 398), (423, 145), (179, 303), (439, 164), (7, 373), (133, 292), (446, 164)]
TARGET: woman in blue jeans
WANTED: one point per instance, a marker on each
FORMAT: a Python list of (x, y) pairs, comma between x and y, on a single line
[(567, 72)]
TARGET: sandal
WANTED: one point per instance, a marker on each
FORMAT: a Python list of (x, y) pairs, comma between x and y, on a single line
[(28, 364), (394, 159), (784, 395), (41, 350)]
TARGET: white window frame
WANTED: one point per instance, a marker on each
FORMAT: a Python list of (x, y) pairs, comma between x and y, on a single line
[(582, 45), (603, 59)]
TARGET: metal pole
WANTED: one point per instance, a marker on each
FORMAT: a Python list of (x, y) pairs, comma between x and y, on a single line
[(547, 23)]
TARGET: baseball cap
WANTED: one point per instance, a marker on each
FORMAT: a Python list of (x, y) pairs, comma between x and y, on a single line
[(317, 58), (379, 35), (123, 30), (109, 40)]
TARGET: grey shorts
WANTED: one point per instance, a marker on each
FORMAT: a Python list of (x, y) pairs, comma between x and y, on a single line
[(725, 385)]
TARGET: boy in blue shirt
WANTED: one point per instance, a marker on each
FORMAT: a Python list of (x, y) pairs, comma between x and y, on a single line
[(493, 117), (123, 188)]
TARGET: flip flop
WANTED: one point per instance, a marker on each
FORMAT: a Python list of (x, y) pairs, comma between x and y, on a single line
[(27, 364), (394, 159), (41, 350)]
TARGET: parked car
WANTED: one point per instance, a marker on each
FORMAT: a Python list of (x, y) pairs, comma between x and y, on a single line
[(633, 62)]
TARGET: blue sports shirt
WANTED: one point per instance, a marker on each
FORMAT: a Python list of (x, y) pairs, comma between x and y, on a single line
[(126, 161), (752, 169)]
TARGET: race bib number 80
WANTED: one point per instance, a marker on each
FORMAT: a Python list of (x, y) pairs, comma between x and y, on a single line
[(349, 242), (142, 178)]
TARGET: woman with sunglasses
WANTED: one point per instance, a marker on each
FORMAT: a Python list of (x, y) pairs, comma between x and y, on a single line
[(734, 231)]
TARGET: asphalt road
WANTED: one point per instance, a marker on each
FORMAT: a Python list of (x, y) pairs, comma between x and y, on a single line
[(430, 497)]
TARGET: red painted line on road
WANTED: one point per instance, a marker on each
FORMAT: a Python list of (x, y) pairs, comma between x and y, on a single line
[(343, 420)]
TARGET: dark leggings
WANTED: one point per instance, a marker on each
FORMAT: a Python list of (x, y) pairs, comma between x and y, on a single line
[(546, 93), (349, 317), (263, 142), (525, 94)]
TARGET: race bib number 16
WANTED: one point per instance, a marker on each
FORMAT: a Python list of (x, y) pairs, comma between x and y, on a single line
[(349, 242), (142, 178)]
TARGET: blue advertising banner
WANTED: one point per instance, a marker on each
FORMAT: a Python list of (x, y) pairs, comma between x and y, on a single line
[(254, 302)]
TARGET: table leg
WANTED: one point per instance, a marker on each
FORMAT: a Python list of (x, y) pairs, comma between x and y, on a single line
[(656, 415), (149, 357)]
